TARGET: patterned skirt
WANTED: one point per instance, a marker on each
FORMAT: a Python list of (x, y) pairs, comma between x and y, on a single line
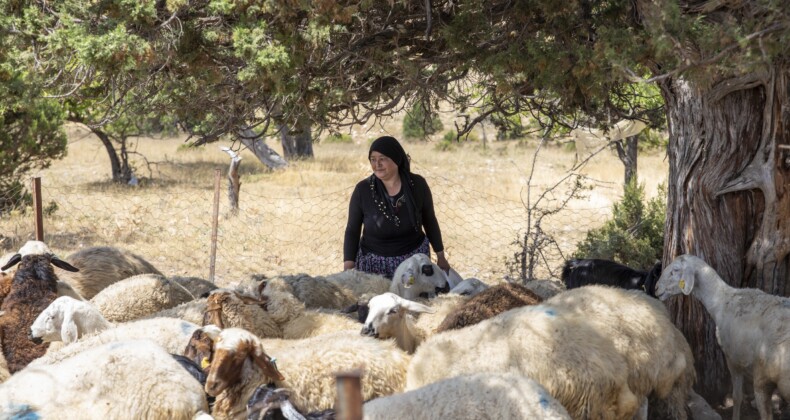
[(372, 263)]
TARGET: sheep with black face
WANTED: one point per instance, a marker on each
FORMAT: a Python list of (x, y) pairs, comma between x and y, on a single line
[(34, 287)]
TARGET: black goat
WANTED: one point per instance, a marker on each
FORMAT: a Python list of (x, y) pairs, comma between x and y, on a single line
[(270, 403), (581, 272)]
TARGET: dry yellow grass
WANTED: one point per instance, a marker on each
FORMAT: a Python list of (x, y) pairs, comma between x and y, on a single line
[(293, 220)]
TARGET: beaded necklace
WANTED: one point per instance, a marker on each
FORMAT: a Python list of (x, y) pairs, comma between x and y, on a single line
[(382, 206)]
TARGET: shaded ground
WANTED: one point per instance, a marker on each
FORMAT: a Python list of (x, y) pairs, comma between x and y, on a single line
[(781, 411)]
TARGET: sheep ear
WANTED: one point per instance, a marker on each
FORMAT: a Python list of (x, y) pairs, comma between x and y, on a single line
[(57, 262), (12, 262), (266, 363), (687, 277), (412, 306), (68, 329)]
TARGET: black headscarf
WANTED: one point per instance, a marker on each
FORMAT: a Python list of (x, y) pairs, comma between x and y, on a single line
[(391, 148)]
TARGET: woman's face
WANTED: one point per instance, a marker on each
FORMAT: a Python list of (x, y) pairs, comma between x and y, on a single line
[(384, 168)]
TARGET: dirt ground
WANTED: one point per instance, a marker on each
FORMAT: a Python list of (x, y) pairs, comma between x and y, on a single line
[(781, 410)]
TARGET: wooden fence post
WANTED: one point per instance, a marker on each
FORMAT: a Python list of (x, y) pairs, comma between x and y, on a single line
[(214, 227), (37, 211), (348, 405)]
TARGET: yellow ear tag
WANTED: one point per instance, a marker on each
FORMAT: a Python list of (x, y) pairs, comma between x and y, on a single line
[(204, 363), (682, 284), (411, 280)]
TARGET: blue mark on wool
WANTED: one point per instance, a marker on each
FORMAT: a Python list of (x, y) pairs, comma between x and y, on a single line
[(544, 402), (550, 312), (187, 328), (23, 412)]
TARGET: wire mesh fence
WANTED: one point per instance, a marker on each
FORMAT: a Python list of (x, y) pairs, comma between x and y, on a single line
[(275, 233)]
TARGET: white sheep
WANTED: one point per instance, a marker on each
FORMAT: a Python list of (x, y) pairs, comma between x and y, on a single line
[(545, 288), (139, 296), (752, 327), (390, 315), (296, 321), (469, 287), (192, 311), (124, 380), (67, 319), (659, 358), (315, 292), (416, 275), (359, 283), (576, 364), (101, 266), (170, 333), (242, 362), (491, 396), (227, 308)]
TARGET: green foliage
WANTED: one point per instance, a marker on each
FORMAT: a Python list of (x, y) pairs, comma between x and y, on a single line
[(419, 124), (338, 138), (634, 236), (651, 139), (508, 127)]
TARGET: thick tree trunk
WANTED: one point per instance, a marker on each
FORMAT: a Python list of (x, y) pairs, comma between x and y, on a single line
[(121, 170), (728, 198), (628, 155), (298, 142)]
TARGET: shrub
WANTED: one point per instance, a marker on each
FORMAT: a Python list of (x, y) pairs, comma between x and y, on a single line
[(634, 236), (338, 138), (419, 124)]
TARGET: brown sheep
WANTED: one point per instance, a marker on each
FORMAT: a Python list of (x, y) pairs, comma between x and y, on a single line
[(102, 266), (488, 304), (33, 288)]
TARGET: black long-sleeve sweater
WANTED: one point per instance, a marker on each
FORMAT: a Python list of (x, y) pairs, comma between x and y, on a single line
[(381, 236)]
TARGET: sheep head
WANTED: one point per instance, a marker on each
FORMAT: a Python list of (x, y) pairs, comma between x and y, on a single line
[(419, 273), (386, 316), (680, 276), (231, 350), (218, 298), (200, 348), (38, 248), (264, 400)]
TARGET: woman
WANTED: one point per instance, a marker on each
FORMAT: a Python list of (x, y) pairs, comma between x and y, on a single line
[(394, 205)]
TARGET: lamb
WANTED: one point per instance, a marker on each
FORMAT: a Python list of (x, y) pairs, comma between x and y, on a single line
[(660, 362), (241, 363), (102, 266), (231, 309), (296, 321), (580, 272), (751, 327), (139, 296), (491, 396), (268, 402), (170, 333), (469, 287), (33, 288), (489, 303), (67, 319), (416, 275), (130, 379), (575, 363)]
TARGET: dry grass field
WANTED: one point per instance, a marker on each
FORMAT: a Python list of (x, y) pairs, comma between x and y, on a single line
[(293, 220)]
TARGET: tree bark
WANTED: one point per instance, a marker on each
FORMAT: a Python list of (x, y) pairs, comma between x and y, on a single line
[(298, 142), (728, 198), (628, 153), (234, 185), (121, 170)]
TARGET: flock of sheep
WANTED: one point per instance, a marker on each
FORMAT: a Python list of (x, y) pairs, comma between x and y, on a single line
[(103, 334)]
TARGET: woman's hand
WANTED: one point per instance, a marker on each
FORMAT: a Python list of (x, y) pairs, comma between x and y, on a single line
[(348, 265), (442, 262)]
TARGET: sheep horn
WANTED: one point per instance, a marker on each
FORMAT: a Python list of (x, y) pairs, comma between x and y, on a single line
[(57, 262), (12, 262)]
